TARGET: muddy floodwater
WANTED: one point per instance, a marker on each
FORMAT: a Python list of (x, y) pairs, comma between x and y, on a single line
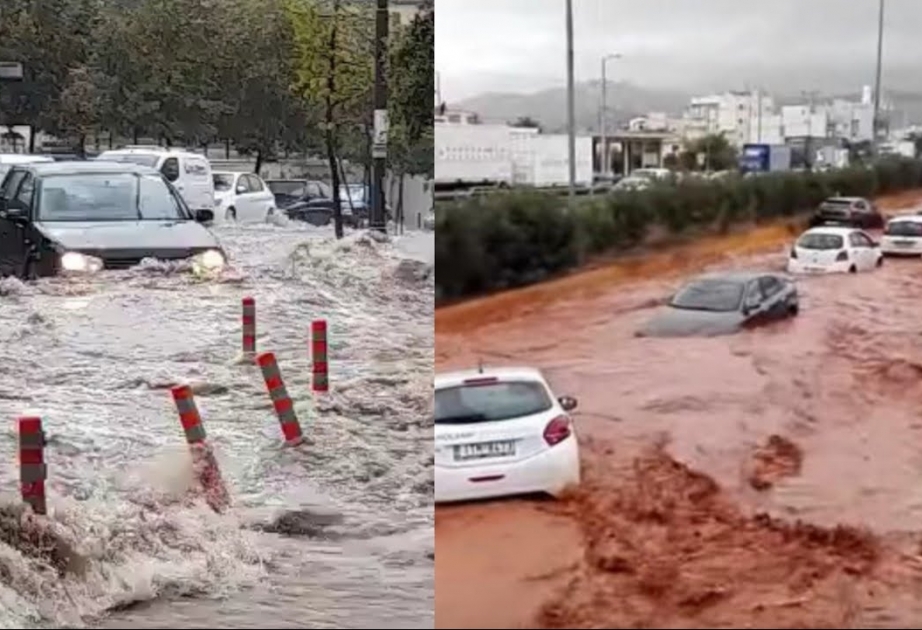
[(334, 533), (765, 479)]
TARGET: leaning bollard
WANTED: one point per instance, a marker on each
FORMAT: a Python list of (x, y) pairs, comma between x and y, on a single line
[(249, 326), (320, 381), (32, 469), (278, 393), (204, 462)]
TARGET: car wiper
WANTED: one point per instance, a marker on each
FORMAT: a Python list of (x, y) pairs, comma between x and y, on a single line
[(462, 419)]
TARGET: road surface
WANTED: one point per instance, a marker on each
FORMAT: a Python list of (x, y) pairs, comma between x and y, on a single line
[(702, 455), (96, 358)]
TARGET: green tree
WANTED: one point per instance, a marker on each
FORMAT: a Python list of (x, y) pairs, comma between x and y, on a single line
[(333, 61), (78, 108), (712, 152), (527, 122)]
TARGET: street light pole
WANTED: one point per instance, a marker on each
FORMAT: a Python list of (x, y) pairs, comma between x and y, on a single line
[(603, 115), (880, 50), (571, 106), (379, 146)]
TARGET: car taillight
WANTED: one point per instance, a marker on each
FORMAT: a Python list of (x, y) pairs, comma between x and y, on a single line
[(843, 256), (557, 430), (793, 253)]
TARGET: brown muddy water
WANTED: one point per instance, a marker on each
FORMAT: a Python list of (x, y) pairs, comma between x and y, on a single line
[(766, 479)]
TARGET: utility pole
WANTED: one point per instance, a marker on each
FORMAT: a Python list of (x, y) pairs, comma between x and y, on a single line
[(603, 116), (379, 145), (880, 52), (571, 106)]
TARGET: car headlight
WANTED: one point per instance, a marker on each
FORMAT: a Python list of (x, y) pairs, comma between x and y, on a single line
[(75, 262), (212, 260)]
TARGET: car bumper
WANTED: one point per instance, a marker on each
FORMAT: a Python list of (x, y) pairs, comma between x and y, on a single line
[(550, 472), (913, 247), (799, 268)]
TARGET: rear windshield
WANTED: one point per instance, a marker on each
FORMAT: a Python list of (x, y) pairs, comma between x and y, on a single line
[(223, 181), (836, 203), (291, 188), (709, 295), (505, 400), (821, 241), (903, 228)]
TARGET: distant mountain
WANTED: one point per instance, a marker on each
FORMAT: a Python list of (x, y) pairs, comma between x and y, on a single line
[(549, 107), (625, 101)]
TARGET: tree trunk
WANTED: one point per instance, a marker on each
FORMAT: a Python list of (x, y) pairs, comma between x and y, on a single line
[(31, 139), (135, 132), (259, 161), (226, 149), (399, 216), (345, 182), (330, 132)]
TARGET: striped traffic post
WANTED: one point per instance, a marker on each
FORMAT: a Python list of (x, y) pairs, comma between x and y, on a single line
[(281, 401), (249, 326), (320, 381), (204, 462), (32, 469)]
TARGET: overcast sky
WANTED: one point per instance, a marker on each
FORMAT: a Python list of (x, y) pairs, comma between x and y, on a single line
[(789, 45)]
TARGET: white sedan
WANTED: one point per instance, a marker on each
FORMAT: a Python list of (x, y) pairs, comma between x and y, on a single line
[(502, 432), (242, 197), (902, 236), (834, 250)]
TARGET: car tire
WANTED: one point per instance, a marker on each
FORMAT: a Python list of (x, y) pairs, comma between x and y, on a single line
[(794, 309), (269, 214), (880, 261), (853, 269), (231, 214)]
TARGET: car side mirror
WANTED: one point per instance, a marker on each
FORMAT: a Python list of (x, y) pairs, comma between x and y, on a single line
[(15, 211), (568, 403), (204, 215)]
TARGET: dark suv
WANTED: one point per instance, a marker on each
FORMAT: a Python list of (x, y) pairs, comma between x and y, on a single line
[(853, 211)]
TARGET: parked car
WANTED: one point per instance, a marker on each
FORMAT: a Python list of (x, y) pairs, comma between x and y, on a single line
[(242, 197), (902, 236), (852, 211), (429, 221), (303, 199), (356, 205), (82, 217), (724, 303), (502, 432), (830, 249), (189, 173)]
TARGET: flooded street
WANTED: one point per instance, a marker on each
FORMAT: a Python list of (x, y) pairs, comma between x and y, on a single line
[(334, 533), (766, 479)]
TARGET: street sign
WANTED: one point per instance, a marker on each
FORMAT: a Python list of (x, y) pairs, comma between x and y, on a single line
[(10, 71), (379, 141)]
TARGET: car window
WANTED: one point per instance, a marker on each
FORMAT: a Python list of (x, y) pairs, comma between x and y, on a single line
[(223, 182), (770, 285), (857, 239), (861, 206), (499, 400), (195, 167), (256, 184), (820, 241), (903, 228), (11, 183), (26, 190), (170, 169), (288, 188), (754, 294), (313, 190), (325, 190), (106, 197), (709, 295)]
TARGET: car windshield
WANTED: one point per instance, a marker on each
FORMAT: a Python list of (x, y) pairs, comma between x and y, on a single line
[(289, 188), (821, 241), (223, 181), (894, 228), (709, 295), (492, 401), (107, 197), (355, 192), (131, 158)]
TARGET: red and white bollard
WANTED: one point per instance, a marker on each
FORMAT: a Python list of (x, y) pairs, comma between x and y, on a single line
[(204, 463), (32, 469), (320, 371), (249, 326), (281, 401)]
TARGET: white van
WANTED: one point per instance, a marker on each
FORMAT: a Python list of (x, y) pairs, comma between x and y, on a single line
[(189, 172)]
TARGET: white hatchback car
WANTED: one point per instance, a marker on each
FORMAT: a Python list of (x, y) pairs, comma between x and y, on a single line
[(902, 236), (502, 432), (834, 250), (242, 197)]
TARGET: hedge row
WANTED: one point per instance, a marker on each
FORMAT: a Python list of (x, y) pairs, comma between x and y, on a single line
[(516, 238)]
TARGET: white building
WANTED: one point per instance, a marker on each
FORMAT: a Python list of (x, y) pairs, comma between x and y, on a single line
[(739, 115)]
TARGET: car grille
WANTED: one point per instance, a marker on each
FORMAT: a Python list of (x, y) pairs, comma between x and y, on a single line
[(120, 263)]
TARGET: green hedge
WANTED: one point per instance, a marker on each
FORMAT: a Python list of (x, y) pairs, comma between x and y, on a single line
[(520, 237)]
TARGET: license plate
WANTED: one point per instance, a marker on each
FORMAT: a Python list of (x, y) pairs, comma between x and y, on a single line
[(904, 243), (814, 269), (485, 450)]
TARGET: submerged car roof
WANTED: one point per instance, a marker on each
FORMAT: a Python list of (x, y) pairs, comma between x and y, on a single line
[(88, 167)]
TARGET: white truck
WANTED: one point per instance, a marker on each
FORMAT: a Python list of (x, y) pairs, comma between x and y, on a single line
[(547, 161), (475, 155)]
